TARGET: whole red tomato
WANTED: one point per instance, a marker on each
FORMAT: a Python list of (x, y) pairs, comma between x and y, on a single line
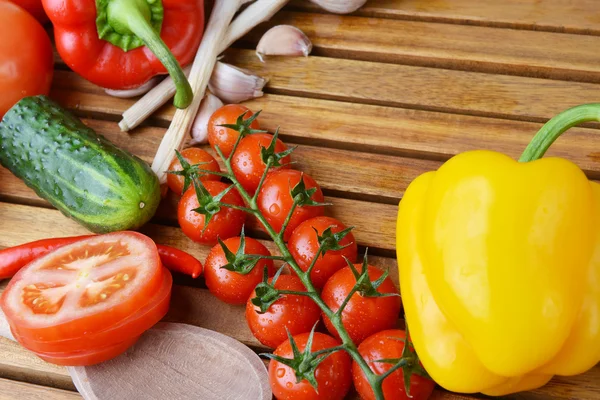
[(226, 223), (230, 286), (33, 7), (247, 163), (223, 137), (332, 374), (275, 199), (304, 245), (193, 156), (362, 316), (388, 345), (296, 313), (26, 60)]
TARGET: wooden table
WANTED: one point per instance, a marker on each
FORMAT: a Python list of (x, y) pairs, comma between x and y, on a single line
[(388, 93)]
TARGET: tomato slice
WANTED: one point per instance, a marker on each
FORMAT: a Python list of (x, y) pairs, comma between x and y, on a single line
[(83, 288), (90, 357), (156, 308)]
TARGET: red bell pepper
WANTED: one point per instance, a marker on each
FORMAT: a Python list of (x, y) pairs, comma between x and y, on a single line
[(116, 43)]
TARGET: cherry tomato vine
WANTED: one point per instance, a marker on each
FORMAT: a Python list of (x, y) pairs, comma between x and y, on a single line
[(306, 362)]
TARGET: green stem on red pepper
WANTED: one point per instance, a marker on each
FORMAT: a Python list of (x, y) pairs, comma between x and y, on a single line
[(551, 131), (131, 23)]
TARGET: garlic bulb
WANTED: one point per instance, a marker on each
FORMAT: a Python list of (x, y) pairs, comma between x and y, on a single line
[(283, 40), (234, 85), (126, 94), (340, 6), (209, 105)]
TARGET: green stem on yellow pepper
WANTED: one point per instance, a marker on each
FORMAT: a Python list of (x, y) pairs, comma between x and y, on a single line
[(130, 23), (556, 127)]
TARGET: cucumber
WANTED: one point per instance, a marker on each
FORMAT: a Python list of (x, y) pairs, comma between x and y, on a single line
[(79, 172)]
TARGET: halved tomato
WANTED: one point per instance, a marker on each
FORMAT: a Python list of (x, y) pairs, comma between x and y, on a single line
[(155, 309), (83, 288)]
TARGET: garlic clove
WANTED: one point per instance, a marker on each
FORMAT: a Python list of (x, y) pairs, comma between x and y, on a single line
[(340, 6), (129, 93), (234, 85), (209, 105), (283, 40)]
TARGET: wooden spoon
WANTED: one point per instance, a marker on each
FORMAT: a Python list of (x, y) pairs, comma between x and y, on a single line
[(174, 361)]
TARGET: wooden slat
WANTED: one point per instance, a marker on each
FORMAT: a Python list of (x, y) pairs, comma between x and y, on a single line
[(10, 390), (19, 364), (550, 15), (376, 129), (527, 53), (432, 89), (376, 231)]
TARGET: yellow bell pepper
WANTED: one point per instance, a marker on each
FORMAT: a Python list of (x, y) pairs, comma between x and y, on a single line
[(499, 265)]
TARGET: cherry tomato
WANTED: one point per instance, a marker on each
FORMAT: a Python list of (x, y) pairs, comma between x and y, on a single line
[(83, 288), (228, 222), (297, 313), (233, 287), (362, 316), (275, 200), (192, 155), (33, 7), (26, 60), (388, 345), (304, 245), (333, 374), (223, 137), (247, 163)]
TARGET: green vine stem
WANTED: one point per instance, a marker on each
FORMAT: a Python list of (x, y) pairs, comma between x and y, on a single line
[(556, 127), (336, 317)]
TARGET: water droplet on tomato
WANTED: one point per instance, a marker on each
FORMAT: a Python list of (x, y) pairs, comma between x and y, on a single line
[(280, 372), (289, 385), (274, 209)]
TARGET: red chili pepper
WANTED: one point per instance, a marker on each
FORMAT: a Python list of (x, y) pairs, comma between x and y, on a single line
[(105, 45), (14, 258), (179, 261)]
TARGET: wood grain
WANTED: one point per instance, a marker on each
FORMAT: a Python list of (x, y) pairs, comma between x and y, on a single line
[(527, 53), (433, 89), (548, 15), (10, 390), (19, 364), (361, 128), (377, 231), (357, 127)]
